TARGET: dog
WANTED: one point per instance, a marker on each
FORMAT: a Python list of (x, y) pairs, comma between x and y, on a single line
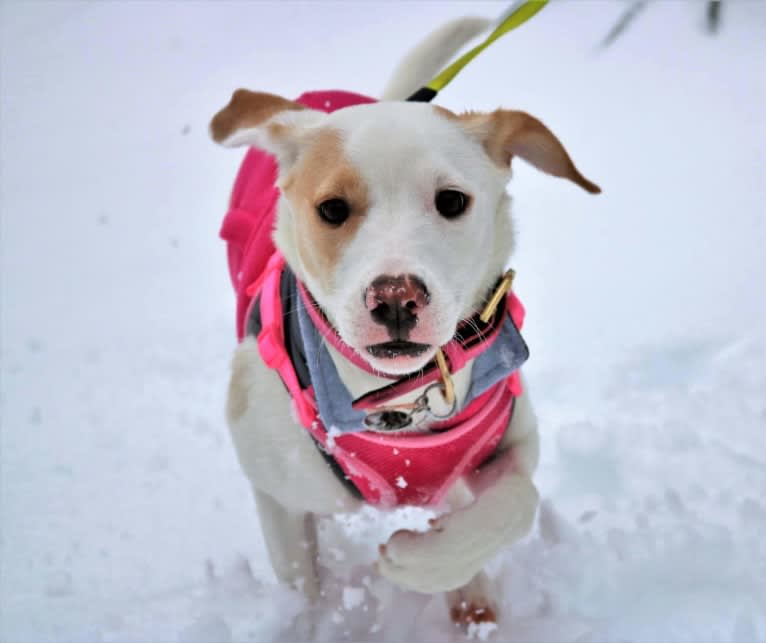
[(380, 343)]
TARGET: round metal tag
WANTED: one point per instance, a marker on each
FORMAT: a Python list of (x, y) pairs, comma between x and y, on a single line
[(388, 420)]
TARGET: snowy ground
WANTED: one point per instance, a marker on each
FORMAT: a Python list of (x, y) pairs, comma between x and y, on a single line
[(124, 516)]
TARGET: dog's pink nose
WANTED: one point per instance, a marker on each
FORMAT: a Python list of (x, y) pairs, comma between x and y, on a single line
[(395, 301)]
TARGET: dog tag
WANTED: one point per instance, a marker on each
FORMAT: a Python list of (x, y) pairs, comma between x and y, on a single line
[(388, 420)]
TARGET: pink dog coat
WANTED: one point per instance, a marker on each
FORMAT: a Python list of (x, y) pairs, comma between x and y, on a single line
[(385, 469)]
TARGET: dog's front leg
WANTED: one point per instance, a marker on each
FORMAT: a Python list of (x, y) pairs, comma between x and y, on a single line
[(458, 544), (498, 507), (292, 544)]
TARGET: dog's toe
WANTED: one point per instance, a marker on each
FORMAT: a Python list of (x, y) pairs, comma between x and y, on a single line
[(467, 613), (471, 606)]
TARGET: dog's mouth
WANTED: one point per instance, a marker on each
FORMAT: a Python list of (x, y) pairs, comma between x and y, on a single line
[(397, 348)]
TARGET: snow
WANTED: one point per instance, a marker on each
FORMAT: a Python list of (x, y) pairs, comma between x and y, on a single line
[(332, 433), (123, 512), (480, 631), (352, 597)]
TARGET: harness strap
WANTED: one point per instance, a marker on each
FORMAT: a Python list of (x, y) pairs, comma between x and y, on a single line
[(294, 348), (455, 448), (271, 341)]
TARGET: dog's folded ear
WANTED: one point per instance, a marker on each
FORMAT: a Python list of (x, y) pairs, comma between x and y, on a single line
[(270, 122), (507, 133)]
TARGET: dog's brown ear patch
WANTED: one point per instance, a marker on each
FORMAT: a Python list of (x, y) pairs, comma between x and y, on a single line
[(506, 133), (324, 172), (248, 109)]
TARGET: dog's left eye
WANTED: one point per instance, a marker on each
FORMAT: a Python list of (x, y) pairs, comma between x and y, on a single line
[(333, 211), (451, 203)]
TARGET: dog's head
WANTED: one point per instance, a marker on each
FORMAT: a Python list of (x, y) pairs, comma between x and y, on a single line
[(395, 214)]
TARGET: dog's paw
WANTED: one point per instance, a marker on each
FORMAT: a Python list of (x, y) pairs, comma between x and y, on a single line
[(464, 614), (458, 544), (415, 561)]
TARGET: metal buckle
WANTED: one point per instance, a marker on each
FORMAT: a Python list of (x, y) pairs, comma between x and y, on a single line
[(501, 291), (448, 387)]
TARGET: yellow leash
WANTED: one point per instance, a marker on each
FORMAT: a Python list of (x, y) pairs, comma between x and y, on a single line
[(515, 17)]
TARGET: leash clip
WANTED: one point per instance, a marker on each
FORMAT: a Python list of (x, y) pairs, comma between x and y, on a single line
[(402, 416)]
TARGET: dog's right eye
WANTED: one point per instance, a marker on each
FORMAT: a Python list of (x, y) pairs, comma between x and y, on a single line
[(451, 203), (333, 211)]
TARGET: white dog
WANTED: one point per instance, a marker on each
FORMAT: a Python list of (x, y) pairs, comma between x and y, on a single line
[(368, 372)]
